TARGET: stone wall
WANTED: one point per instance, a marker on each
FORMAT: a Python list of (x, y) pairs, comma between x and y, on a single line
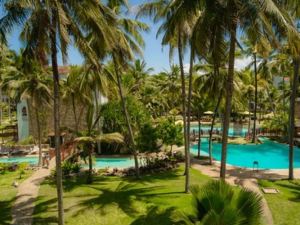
[(298, 109), (66, 118)]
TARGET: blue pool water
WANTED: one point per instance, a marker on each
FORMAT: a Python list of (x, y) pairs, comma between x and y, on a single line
[(231, 131), (102, 163), (30, 160), (270, 154)]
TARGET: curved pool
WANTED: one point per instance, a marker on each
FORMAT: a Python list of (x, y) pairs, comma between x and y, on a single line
[(30, 160), (269, 154), (114, 163)]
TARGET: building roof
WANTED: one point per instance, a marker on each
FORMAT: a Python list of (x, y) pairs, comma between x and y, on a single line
[(63, 70)]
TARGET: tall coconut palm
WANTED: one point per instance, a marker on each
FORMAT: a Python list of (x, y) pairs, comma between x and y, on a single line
[(46, 25), (129, 41), (257, 49), (294, 49), (90, 137), (227, 16), (178, 20)]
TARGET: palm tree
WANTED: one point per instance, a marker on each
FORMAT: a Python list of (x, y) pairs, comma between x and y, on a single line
[(46, 25), (91, 137), (224, 17), (218, 203), (129, 41), (178, 20), (72, 89), (139, 72), (260, 48), (29, 81), (293, 43)]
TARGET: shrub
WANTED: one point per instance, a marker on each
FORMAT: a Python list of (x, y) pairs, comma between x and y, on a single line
[(69, 168), (147, 139), (170, 133), (22, 167), (27, 141)]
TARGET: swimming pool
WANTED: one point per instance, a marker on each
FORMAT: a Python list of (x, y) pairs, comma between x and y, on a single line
[(231, 132), (100, 163), (122, 163), (30, 160), (269, 155)]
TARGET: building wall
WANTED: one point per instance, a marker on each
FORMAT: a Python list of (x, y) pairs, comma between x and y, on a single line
[(66, 118), (298, 112), (23, 120)]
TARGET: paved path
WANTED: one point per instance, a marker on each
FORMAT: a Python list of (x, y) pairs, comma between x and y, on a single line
[(236, 176), (27, 193)]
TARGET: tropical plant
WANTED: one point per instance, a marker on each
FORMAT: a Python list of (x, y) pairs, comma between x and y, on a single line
[(72, 89), (89, 138), (218, 203), (147, 139), (170, 133)]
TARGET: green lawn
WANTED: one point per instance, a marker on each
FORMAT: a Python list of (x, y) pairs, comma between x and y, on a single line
[(8, 194), (118, 201), (285, 206)]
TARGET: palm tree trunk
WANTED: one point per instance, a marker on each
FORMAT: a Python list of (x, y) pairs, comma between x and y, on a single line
[(56, 110), (229, 88), (9, 110), (74, 112), (199, 134), (183, 98), (212, 128), (249, 119), (90, 176), (39, 134), (255, 100), (190, 99), (135, 152), (97, 113), (292, 118)]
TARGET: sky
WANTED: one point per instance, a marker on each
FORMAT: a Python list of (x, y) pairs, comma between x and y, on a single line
[(154, 55)]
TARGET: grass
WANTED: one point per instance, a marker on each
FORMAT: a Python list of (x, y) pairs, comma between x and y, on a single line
[(118, 201), (285, 206), (8, 194)]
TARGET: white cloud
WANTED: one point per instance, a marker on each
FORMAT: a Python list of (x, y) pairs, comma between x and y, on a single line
[(241, 64)]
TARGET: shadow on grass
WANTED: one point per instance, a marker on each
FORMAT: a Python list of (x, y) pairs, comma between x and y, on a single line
[(155, 215), (70, 184), (293, 187), (124, 196), (42, 207), (5, 212)]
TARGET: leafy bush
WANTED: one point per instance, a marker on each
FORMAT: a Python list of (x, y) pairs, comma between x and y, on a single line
[(3, 167), (147, 139), (69, 168), (22, 167), (170, 133), (114, 121), (27, 141)]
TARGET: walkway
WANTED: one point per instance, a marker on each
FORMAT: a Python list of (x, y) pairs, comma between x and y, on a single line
[(27, 193), (241, 177)]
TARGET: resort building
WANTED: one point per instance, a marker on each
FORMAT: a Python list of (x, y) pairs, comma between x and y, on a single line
[(26, 118)]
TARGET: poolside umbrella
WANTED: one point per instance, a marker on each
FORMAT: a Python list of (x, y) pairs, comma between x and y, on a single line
[(208, 113), (246, 113), (180, 122), (268, 116)]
